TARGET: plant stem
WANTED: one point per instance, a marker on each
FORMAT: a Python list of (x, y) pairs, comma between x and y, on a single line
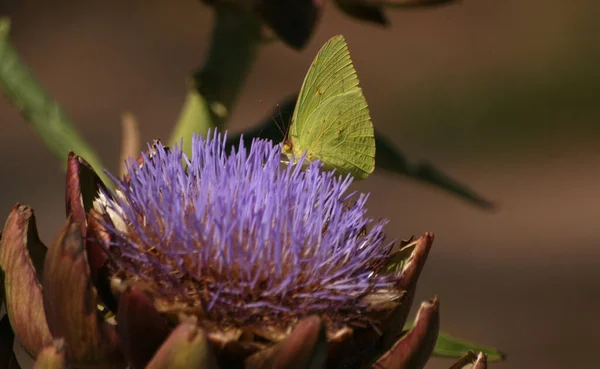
[(42, 113), (235, 40)]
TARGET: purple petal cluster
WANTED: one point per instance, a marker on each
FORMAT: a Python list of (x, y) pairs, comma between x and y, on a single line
[(246, 237)]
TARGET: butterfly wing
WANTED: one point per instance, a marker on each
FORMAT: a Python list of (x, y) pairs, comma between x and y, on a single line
[(331, 120)]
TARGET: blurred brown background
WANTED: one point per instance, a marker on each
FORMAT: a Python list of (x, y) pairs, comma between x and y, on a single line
[(502, 95)]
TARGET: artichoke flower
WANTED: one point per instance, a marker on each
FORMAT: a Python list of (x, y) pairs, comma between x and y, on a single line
[(225, 259)]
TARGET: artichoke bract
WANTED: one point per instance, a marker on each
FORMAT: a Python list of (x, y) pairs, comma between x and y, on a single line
[(225, 259)]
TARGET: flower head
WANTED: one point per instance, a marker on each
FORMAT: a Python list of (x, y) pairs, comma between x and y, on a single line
[(227, 259), (239, 239)]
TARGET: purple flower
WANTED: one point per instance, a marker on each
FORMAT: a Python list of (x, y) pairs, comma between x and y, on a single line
[(239, 238), (227, 259)]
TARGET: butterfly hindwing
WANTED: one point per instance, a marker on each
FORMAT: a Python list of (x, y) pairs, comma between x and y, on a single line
[(343, 141), (331, 120)]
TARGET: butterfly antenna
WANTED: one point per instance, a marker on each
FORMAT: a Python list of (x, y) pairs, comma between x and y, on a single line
[(286, 127), (269, 113)]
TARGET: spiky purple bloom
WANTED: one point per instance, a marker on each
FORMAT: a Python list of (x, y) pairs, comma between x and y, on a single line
[(241, 238)]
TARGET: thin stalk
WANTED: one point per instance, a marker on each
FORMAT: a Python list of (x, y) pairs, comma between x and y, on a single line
[(43, 113), (216, 85)]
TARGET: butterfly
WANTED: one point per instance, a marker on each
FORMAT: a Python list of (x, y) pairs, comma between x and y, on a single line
[(331, 120)]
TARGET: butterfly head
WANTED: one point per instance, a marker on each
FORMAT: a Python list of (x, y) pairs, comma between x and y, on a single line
[(287, 148), (290, 152)]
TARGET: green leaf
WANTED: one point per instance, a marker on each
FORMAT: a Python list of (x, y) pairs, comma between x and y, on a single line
[(195, 117), (448, 346), (391, 159), (44, 114), (387, 157)]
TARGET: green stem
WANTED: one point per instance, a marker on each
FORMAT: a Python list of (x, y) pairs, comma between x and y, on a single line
[(42, 113), (234, 45)]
